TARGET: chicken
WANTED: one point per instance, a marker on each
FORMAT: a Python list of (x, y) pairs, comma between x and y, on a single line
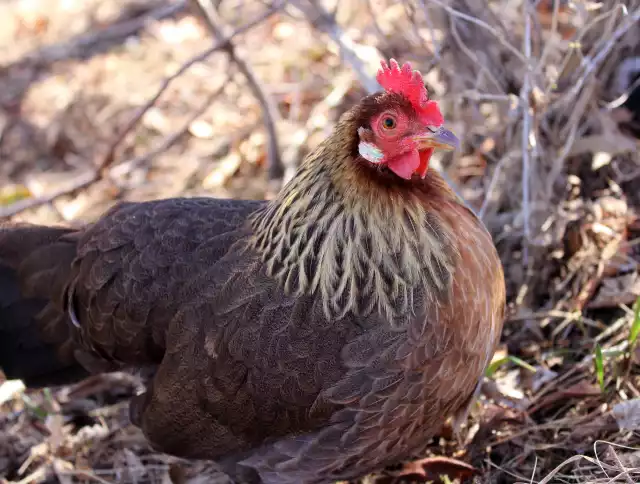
[(317, 337)]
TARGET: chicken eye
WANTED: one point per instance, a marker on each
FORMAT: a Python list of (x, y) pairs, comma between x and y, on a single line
[(389, 122)]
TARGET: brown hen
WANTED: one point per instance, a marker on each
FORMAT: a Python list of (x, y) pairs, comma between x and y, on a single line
[(313, 338)]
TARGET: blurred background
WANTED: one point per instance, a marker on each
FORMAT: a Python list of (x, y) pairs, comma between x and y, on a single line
[(105, 100)]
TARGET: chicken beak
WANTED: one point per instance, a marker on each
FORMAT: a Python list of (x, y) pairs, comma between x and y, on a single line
[(441, 139)]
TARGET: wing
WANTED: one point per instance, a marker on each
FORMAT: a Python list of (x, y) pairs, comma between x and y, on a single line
[(132, 267)]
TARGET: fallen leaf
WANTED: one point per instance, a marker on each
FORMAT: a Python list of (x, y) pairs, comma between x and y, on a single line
[(223, 171), (623, 289), (10, 389), (201, 129), (283, 30), (535, 381), (13, 193), (61, 468), (432, 468), (155, 119), (600, 160), (509, 384), (627, 414)]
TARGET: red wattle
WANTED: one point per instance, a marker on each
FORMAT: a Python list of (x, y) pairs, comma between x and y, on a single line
[(405, 165), (425, 156)]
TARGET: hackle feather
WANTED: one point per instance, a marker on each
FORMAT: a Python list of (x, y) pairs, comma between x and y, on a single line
[(356, 239)]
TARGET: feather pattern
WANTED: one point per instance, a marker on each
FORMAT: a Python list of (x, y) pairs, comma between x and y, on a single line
[(313, 338), (358, 253)]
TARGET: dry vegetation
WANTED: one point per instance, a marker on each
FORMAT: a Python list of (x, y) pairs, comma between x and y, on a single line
[(536, 89)]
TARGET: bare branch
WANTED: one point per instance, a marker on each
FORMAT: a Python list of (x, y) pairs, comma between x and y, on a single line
[(472, 55), (554, 31), (577, 41), (526, 131), (219, 45), (108, 158), (325, 22), (270, 113), (81, 182), (480, 23), (437, 48), (169, 141), (493, 183), (593, 63)]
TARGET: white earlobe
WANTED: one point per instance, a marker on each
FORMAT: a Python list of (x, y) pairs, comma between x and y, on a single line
[(370, 152)]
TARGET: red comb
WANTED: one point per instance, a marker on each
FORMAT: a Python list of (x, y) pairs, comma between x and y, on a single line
[(409, 83)]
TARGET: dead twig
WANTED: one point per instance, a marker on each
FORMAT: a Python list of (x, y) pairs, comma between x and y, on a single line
[(323, 21), (108, 158), (221, 44), (169, 141), (551, 42), (79, 183), (526, 131), (592, 63), (437, 47), (493, 183), (482, 24), (472, 55), (270, 112), (632, 20)]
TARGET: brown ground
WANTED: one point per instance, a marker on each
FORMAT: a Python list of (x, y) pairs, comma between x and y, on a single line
[(74, 74)]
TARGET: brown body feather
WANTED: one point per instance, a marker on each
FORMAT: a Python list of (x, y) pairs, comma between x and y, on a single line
[(313, 338)]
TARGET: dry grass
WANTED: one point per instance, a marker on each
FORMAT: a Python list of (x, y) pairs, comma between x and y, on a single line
[(549, 162)]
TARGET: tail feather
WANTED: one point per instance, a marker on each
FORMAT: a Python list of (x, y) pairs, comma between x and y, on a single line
[(35, 344)]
